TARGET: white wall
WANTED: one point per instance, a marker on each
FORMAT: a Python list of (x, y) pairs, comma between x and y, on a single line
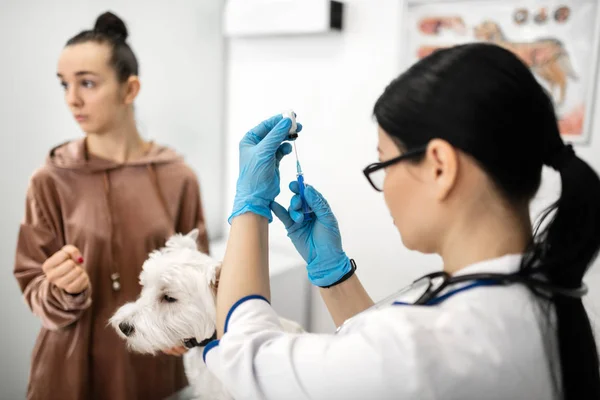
[(180, 50), (332, 82)]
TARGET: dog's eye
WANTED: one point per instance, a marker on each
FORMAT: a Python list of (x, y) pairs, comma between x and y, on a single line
[(169, 299)]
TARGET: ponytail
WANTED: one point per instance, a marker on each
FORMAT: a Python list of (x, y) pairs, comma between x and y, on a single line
[(563, 251)]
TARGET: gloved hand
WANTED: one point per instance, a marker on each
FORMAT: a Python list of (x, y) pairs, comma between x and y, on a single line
[(318, 241), (261, 150)]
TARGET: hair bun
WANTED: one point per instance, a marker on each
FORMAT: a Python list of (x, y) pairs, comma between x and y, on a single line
[(111, 25)]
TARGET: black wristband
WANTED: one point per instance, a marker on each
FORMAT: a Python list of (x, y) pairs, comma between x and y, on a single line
[(345, 277)]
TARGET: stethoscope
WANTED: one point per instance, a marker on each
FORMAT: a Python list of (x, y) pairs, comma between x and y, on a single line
[(432, 295)]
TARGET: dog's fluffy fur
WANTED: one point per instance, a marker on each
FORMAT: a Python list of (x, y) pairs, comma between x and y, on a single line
[(177, 302)]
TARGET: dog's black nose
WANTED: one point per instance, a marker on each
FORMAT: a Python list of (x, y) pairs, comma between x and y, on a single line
[(126, 328)]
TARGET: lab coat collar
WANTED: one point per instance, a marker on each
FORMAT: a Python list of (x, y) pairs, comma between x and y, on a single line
[(507, 264)]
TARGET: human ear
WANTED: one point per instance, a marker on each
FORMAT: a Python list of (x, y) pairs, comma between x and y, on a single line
[(443, 160), (132, 88)]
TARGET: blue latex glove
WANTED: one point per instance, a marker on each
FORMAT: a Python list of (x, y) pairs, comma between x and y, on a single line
[(318, 241), (261, 150)]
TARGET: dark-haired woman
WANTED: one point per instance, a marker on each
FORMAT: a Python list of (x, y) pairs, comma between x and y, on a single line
[(94, 211), (463, 137)]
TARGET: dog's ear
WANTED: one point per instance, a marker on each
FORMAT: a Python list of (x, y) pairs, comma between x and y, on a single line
[(214, 277), (179, 241), (193, 234)]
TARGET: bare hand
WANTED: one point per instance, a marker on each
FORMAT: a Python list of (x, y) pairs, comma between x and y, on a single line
[(64, 270), (176, 351)]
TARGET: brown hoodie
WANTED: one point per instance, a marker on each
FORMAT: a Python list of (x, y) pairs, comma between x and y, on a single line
[(115, 214)]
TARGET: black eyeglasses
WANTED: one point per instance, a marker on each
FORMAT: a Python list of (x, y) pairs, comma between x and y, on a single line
[(375, 173)]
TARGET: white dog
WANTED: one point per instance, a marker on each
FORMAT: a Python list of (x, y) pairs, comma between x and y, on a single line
[(177, 307)]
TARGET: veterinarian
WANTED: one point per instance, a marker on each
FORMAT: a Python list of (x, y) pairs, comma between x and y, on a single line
[(94, 211), (503, 320)]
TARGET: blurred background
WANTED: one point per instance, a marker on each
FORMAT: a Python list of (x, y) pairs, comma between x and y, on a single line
[(204, 85)]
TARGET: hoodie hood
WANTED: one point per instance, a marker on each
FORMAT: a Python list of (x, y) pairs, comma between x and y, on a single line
[(74, 156)]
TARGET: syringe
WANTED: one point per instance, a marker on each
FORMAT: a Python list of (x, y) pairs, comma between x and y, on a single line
[(299, 174), (301, 186)]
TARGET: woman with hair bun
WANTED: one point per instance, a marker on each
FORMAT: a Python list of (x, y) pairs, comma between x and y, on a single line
[(94, 211)]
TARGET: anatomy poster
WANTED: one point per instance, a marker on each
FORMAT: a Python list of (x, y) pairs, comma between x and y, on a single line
[(558, 40)]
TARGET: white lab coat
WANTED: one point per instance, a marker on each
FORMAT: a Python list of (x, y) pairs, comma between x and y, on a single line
[(488, 342)]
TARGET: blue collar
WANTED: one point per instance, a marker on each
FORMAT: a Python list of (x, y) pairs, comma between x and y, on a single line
[(438, 300)]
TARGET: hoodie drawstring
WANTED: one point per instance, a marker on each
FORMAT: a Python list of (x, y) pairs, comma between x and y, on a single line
[(154, 178), (115, 276)]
